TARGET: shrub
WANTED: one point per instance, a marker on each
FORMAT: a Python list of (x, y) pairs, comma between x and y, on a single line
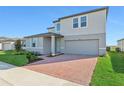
[(28, 55), (22, 52), (102, 55), (108, 48), (118, 49), (33, 58), (36, 53)]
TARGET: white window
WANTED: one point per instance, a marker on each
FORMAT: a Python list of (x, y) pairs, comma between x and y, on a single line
[(58, 27), (75, 23), (83, 21), (34, 40)]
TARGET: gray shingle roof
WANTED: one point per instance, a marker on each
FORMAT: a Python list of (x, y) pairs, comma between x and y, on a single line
[(95, 10), (44, 35)]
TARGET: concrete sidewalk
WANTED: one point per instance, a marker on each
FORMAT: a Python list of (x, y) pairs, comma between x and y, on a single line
[(4, 83), (5, 66), (23, 77)]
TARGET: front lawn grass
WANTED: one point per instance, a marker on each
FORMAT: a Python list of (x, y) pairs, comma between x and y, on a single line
[(109, 70), (9, 57)]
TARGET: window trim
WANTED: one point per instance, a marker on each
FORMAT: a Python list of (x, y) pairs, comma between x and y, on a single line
[(78, 22), (86, 21)]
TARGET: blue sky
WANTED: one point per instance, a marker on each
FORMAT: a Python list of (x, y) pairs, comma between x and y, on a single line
[(23, 21)]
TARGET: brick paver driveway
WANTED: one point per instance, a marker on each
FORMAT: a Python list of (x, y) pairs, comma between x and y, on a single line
[(74, 68)]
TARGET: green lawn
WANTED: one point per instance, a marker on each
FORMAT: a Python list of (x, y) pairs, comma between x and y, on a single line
[(109, 70), (9, 57)]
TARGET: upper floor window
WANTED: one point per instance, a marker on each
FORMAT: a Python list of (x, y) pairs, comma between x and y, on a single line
[(83, 21), (75, 23), (58, 27)]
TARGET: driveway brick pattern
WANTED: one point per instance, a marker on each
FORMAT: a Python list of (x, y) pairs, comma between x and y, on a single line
[(74, 68)]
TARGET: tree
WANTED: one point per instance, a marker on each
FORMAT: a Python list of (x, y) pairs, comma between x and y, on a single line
[(108, 48), (18, 45)]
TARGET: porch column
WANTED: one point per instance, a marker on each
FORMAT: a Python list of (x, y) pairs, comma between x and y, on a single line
[(53, 45)]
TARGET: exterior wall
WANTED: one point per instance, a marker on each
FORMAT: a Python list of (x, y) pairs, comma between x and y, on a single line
[(43, 45), (96, 24), (121, 45), (51, 30), (39, 45), (47, 45), (100, 37)]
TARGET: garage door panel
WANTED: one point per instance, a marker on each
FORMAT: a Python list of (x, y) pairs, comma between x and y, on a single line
[(6, 46), (87, 47)]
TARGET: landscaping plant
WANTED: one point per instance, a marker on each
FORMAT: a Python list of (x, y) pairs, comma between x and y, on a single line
[(118, 49), (108, 48)]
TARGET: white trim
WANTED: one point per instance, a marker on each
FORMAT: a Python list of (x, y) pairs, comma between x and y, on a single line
[(102, 48), (79, 22), (86, 21), (53, 45)]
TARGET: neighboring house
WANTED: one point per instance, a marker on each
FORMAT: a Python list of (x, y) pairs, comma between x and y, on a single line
[(82, 33), (121, 44), (7, 43), (112, 48)]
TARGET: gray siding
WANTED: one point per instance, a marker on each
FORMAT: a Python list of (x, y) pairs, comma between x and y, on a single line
[(39, 45)]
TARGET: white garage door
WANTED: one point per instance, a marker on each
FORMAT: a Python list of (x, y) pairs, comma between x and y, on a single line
[(0, 46), (7, 46), (86, 47)]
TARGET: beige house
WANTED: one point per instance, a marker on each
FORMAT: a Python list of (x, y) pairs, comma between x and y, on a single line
[(83, 33), (121, 44), (7, 43)]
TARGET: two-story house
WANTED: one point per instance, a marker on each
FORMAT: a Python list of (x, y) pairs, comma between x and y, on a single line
[(83, 33)]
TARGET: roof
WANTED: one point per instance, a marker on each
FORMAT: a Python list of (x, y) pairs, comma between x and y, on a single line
[(3, 38), (95, 10), (6, 39), (50, 27), (45, 35)]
